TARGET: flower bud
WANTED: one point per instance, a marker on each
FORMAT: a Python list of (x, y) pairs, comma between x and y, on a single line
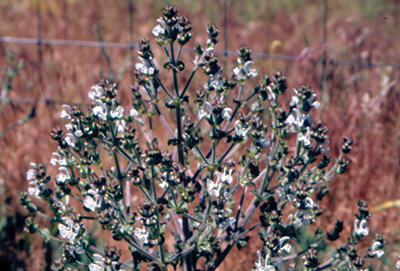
[(169, 11), (244, 53), (212, 32), (352, 252), (347, 142), (311, 258), (56, 133), (359, 261), (147, 210), (30, 226)]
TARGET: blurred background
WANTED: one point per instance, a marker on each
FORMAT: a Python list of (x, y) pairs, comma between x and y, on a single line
[(346, 50)]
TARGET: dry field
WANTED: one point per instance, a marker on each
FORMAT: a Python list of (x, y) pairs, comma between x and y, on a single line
[(360, 102)]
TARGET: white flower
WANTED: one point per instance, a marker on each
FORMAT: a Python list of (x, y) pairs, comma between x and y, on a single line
[(58, 160), (66, 114), (377, 249), (305, 138), (398, 264), (70, 127), (227, 195), (216, 83), (78, 133), (263, 267), (62, 177), (225, 178), (163, 184), (240, 130), (207, 112), (244, 73), (33, 189), (309, 203), (100, 112), (118, 113), (315, 104), (237, 71), (92, 200), (70, 139), (121, 126), (162, 23), (226, 113), (76, 249), (199, 60), (145, 67), (214, 188), (284, 244), (30, 175), (361, 228), (90, 203), (133, 113), (142, 235), (294, 101), (263, 142), (296, 118), (97, 265), (96, 92), (69, 230), (249, 72), (271, 94), (160, 28)]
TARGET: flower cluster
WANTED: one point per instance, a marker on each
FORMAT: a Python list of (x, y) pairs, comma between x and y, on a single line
[(229, 150)]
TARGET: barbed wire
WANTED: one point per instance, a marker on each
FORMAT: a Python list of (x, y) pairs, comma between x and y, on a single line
[(46, 101), (131, 46)]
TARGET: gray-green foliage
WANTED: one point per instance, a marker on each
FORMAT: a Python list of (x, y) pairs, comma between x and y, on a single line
[(190, 184)]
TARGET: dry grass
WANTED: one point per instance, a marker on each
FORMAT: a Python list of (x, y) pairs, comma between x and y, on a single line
[(363, 103)]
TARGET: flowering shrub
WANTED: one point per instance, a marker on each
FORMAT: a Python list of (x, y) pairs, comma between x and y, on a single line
[(227, 143)]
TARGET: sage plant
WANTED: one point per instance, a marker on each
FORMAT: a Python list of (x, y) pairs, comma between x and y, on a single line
[(192, 172)]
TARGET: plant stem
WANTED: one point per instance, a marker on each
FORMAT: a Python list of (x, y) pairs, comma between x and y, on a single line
[(164, 88), (153, 185), (240, 208), (141, 250), (221, 257), (179, 53), (182, 253), (188, 83), (266, 181), (324, 265), (187, 260), (145, 193), (202, 155), (226, 153), (192, 218)]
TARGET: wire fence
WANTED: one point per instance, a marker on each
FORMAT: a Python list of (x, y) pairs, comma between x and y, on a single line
[(39, 42), (131, 46)]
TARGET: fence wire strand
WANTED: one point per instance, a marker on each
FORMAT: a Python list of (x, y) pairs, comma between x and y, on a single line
[(131, 46)]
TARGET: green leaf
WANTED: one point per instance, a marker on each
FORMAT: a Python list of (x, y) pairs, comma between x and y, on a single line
[(45, 233), (251, 184), (168, 65), (242, 242)]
